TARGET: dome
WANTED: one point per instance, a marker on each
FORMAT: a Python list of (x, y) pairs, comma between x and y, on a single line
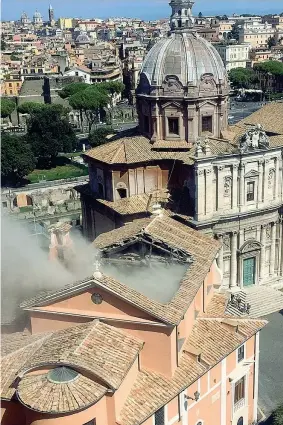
[(83, 38), (37, 14), (185, 55)]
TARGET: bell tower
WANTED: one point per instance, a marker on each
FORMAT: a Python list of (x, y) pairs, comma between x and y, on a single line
[(181, 18)]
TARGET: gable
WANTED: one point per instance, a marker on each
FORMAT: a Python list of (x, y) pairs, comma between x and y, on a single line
[(110, 307)]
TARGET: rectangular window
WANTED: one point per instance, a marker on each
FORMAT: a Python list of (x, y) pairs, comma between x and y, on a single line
[(173, 126), (207, 124), (239, 390), (250, 191), (5, 204), (160, 416), (241, 353)]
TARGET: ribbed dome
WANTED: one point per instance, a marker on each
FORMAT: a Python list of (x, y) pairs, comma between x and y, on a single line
[(185, 55)]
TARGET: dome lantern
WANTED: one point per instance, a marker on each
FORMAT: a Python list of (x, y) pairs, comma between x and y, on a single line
[(181, 18)]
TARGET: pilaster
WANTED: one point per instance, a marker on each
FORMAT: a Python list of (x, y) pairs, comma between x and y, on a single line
[(220, 184), (233, 268), (242, 186), (272, 249), (262, 251), (260, 182), (235, 186), (220, 254)]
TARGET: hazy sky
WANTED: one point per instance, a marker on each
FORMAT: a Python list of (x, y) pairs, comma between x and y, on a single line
[(147, 9)]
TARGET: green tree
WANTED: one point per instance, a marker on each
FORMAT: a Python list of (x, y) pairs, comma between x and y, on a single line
[(89, 102), (3, 44), (242, 78), (17, 159), (7, 107), (99, 136), (271, 67), (30, 107), (271, 42), (14, 57), (278, 416), (50, 132), (71, 89)]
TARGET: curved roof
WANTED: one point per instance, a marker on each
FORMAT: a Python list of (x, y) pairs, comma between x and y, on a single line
[(185, 55), (38, 393)]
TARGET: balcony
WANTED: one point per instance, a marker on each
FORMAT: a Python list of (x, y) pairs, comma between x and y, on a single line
[(239, 405)]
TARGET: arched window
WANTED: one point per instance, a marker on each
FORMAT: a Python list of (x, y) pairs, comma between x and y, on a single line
[(29, 200), (179, 12), (199, 423), (122, 193), (240, 421), (15, 202)]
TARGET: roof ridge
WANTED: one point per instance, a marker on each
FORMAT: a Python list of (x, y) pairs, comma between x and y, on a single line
[(44, 338)]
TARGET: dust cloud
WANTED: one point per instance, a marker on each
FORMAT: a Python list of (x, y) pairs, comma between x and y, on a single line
[(26, 269)]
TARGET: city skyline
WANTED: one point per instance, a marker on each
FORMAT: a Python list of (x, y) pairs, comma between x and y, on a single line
[(144, 9)]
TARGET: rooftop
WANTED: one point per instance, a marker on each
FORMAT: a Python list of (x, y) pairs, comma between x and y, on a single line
[(103, 353), (166, 232)]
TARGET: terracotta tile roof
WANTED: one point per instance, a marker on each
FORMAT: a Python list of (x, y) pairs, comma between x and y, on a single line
[(130, 147), (151, 390), (269, 116), (13, 362), (135, 204), (201, 248), (38, 393), (96, 348)]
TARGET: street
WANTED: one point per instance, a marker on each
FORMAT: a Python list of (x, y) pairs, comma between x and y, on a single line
[(240, 110), (271, 363)]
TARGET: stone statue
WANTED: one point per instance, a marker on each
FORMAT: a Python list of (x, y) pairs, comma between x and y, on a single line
[(254, 138)]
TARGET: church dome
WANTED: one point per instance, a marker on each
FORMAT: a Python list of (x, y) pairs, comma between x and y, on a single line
[(185, 55), (37, 15)]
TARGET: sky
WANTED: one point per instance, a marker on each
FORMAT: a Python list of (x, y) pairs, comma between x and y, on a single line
[(144, 9)]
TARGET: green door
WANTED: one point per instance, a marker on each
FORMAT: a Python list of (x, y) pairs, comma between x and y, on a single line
[(249, 271)]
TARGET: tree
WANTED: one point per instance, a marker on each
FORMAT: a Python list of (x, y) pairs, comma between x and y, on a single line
[(71, 89), (242, 78), (3, 44), (50, 132), (271, 67), (271, 42), (234, 34), (278, 416), (7, 107), (30, 107), (99, 136), (17, 159), (89, 102)]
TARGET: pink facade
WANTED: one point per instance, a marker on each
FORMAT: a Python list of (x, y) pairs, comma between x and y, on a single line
[(216, 388)]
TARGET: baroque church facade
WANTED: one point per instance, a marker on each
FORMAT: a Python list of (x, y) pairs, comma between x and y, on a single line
[(225, 181)]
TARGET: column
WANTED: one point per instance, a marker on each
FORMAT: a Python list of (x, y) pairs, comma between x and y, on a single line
[(242, 186), (235, 186), (262, 252), (200, 192), (209, 192), (260, 180), (233, 267), (272, 250), (220, 254), (277, 179), (220, 184), (265, 183)]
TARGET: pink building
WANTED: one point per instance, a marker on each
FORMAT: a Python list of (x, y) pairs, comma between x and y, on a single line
[(146, 340)]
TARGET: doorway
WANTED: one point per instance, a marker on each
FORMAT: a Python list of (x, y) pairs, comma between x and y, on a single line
[(249, 271)]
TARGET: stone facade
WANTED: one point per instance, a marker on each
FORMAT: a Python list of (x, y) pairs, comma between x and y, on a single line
[(224, 181)]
